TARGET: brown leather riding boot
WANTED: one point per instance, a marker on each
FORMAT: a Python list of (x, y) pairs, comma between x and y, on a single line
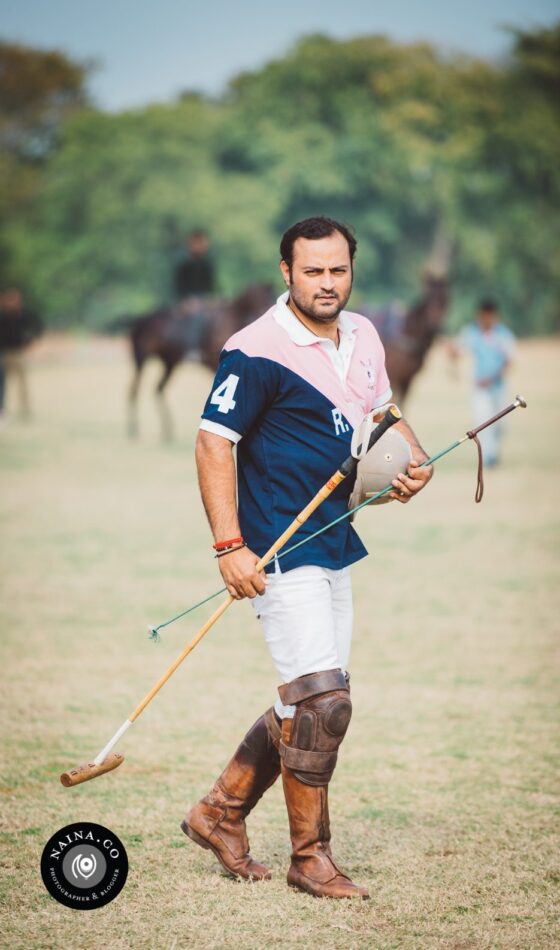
[(313, 868), (217, 822)]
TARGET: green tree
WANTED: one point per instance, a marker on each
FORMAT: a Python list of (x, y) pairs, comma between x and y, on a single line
[(409, 146), (38, 90)]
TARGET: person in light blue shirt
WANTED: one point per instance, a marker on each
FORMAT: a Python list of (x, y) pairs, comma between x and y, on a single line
[(491, 345)]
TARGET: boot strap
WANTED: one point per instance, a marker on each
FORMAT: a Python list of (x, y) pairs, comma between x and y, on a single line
[(312, 684), (303, 760)]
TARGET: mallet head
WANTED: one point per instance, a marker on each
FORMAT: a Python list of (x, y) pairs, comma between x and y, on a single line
[(83, 773)]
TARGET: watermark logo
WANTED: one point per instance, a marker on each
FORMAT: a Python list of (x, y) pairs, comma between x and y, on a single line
[(84, 866)]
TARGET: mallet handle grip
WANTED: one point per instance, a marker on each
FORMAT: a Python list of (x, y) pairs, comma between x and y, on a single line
[(391, 416)]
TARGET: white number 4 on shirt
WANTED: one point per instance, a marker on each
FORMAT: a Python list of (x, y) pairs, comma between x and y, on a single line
[(222, 397)]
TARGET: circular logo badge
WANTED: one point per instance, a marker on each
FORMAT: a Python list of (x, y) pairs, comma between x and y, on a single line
[(84, 866)]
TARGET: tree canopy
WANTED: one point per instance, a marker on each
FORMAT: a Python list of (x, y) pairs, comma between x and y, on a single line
[(400, 141)]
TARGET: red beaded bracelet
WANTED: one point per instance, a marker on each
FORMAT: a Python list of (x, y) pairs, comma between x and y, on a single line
[(221, 545)]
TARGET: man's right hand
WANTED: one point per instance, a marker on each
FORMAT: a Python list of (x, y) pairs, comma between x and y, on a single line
[(239, 574)]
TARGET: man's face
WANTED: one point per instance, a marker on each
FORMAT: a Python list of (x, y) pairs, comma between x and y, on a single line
[(11, 300), (487, 319), (320, 281), (198, 245)]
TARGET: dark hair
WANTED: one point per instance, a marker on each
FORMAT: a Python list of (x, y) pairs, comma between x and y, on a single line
[(313, 229), (487, 305)]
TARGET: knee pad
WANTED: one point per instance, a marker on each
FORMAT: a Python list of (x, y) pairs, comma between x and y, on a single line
[(323, 713)]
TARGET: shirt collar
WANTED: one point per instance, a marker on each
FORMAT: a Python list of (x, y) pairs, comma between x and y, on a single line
[(298, 332)]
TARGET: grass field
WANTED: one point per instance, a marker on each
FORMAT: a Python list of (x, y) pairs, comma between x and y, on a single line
[(445, 800)]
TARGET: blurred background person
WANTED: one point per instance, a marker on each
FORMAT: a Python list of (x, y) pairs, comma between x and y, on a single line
[(195, 274), (491, 345), (18, 328), (194, 283)]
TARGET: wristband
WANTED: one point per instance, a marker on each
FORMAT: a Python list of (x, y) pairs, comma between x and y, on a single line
[(231, 550), (220, 545)]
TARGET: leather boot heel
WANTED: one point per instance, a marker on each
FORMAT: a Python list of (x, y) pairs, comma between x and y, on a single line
[(194, 836)]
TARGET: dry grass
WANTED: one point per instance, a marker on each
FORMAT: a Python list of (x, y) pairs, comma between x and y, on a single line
[(445, 799)]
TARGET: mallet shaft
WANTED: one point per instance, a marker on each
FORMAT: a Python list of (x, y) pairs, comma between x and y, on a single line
[(105, 761)]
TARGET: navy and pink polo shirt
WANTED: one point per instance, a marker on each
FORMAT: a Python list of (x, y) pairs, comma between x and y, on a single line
[(290, 400)]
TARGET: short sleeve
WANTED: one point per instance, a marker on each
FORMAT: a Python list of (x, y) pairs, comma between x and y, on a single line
[(382, 392), (243, 388)]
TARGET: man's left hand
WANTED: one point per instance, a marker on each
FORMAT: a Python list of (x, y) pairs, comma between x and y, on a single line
[(410, 484)]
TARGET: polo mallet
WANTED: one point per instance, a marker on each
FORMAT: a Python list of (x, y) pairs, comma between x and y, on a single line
[(108, 760)]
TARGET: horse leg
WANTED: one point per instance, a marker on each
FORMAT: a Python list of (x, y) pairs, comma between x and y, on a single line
[(132, 424), (164, 411), (400, 375)]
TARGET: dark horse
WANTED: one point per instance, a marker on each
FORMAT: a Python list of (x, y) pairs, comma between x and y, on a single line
[(167, 334), (408, 335)]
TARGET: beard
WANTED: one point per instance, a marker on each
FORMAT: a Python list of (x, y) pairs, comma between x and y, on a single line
[(321, 307)]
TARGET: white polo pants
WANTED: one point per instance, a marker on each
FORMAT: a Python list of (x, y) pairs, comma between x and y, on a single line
[(306, 615)]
